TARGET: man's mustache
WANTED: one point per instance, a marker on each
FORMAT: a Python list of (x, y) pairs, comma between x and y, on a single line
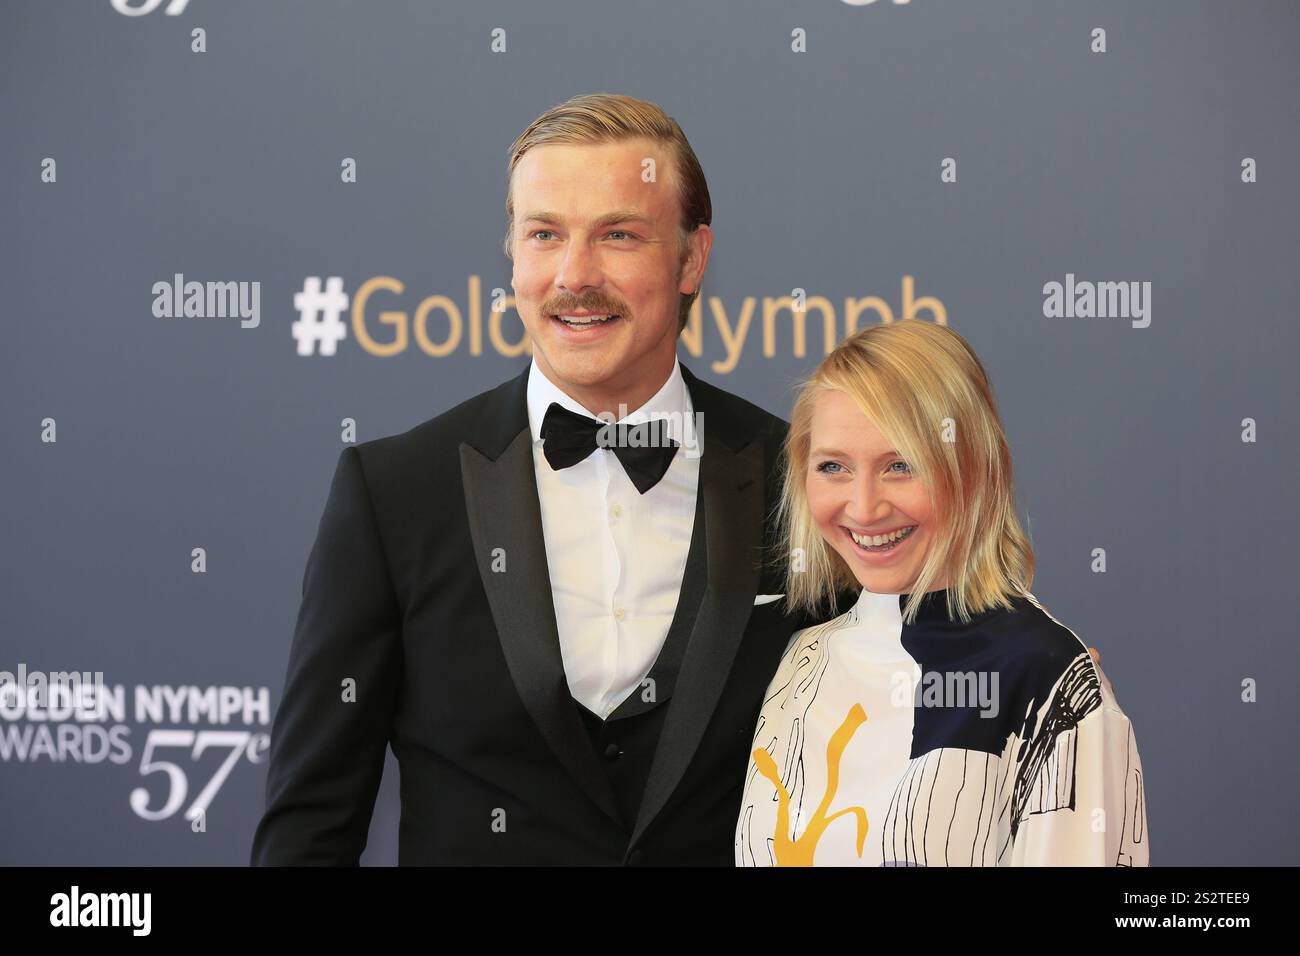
[(567, 306)]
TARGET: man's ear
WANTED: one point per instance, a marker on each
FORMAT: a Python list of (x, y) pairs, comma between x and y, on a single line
[(699, 243)]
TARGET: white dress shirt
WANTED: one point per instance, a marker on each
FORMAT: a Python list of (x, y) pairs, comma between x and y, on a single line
[(616, 557)]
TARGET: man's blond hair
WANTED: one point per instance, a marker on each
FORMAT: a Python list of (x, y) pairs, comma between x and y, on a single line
[(593, 118)]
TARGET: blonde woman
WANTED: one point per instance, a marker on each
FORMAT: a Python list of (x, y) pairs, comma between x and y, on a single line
[(945, 719)]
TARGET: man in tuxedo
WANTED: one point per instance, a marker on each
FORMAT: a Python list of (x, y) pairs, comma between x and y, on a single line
[(563, 631)]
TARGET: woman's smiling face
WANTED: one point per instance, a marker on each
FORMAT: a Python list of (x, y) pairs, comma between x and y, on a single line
[(857, 483)]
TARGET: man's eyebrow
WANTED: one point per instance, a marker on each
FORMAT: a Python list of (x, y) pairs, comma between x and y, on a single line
[(608, 219)]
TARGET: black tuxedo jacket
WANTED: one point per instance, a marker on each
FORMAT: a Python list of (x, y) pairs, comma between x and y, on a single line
[(457, 666)]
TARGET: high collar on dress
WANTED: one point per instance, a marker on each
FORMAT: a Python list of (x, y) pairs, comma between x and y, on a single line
[(874, 606)]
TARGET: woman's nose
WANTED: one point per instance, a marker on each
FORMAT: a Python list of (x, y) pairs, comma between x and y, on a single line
[(867, 506)]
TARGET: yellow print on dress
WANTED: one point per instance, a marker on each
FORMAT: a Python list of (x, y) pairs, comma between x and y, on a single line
[(791, 852)]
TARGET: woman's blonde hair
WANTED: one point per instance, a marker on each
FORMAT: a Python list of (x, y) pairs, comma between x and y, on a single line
[(924, 388), (595, 118)]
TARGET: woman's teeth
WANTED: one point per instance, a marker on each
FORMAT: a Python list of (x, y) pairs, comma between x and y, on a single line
[(881, 542)]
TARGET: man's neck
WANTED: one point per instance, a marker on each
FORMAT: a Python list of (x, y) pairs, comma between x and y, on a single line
[(608, 396)]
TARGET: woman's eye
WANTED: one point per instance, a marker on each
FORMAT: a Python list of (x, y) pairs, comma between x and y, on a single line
[(828, 464), (617, 232), (905, 465), (539, 232)]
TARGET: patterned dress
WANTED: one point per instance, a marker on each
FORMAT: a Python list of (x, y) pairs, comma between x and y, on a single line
[(990, 743)]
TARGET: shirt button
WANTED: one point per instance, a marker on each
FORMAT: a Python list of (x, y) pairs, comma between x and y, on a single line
[(617, 511), (612, 752), (619, 613)]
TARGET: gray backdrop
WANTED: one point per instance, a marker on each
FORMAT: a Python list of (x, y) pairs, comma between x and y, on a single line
[(825, 166)]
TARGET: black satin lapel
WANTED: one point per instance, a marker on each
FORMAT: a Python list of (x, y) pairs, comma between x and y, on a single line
[(501, 501), (732, 485)]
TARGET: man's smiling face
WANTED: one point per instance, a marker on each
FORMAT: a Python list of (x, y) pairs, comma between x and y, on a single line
[(591, 238)]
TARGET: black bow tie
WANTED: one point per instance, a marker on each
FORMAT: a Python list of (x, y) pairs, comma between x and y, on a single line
[(644, 449)]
